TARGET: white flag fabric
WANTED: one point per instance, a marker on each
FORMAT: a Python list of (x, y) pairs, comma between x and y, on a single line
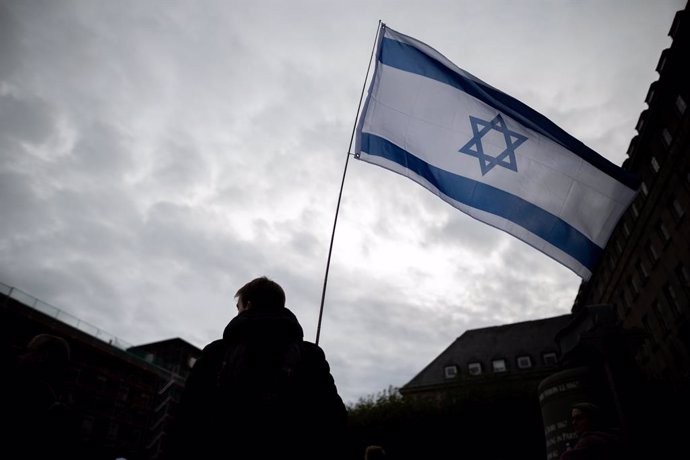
[(488, 154)]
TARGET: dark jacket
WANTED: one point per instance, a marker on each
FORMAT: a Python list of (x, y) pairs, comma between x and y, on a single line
[(260, 392)]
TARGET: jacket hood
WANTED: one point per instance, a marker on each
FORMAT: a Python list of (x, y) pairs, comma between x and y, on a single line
[(264, 326)]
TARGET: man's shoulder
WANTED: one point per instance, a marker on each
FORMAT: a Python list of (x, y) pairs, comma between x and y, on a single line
[(213, 346), (214, 351), (311, 350)]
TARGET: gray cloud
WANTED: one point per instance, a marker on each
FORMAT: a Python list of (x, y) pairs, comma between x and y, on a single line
[(155, 156)]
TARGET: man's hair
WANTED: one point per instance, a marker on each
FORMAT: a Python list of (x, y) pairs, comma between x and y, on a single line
[(263, 293)]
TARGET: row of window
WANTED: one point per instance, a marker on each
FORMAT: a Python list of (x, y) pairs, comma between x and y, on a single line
[(651, 254), (670, 289), (675, 207), (667, 137), (499, 365)]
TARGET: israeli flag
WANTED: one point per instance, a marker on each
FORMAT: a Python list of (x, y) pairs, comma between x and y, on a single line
[(488, 154)]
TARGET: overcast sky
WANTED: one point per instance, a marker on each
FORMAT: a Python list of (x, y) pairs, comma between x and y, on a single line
[(157, 155)]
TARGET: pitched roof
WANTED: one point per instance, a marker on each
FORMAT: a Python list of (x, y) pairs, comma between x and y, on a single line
[(528, 338)]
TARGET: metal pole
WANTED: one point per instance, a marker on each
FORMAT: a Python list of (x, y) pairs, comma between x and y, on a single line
[(342, 184)]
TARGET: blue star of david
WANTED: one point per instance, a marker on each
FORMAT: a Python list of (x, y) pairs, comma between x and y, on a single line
[(475, 148)]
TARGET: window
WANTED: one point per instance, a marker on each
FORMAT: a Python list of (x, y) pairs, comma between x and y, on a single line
[(149, 357), (191, 362), (661, 65), (450, 372), (645, 190), (680, 104), (655, 167), (635, 211), (652, 253), (626, 228), (672, 299), (474, 368), (499, 365), (667, 137), (642, 271), (663, 231), (524, 362), (619, 247), (550, 359), (650, 93), (677, 210)]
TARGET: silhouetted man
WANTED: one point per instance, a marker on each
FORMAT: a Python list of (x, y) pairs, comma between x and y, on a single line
[(261, 391)]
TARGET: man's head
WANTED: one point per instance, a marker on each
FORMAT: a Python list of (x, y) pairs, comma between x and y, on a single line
[(260, 293), (46, 355), (585, 417)]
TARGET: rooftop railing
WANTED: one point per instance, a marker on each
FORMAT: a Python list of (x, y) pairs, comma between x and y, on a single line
[(63, 316)]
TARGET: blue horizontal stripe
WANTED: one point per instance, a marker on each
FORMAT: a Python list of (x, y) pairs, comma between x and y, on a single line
[(484, 197), (410, 59)]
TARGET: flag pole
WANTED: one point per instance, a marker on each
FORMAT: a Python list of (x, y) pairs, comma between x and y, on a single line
[(342, 184)]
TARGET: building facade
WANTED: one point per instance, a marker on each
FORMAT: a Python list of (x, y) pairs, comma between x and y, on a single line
[(645, 271), (122, 398), (483, 390), (519, 354), (626, 344)]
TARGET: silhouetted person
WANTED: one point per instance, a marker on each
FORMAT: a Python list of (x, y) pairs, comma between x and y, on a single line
[(374, 453), (261, 391), (595, 441), (35, 403)]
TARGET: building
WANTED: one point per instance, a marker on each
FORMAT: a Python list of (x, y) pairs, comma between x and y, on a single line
[(626, 344), (645, 272), (483, 392), (123, 397), (644, 276), (519, 354)]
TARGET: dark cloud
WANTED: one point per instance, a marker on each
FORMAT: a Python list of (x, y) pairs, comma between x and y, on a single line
[(24, 119), (18, 201), (9, 31)]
